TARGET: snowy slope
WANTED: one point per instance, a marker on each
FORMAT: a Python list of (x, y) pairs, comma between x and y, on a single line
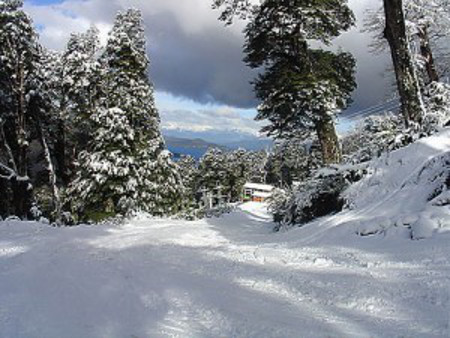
[(234, 277), (405, 189)]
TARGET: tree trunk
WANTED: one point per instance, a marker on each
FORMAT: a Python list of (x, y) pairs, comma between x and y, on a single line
[(329, 141), (427, 55), (52, 177), (62, 168), (5, 208), (14, 134), (407, 83), (21, 197)]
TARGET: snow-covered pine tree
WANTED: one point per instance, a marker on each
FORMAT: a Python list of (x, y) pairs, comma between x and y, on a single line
[(238, 173), (188, 172), (211, 169), (294, 159), (300, 88), (19, 52), (129, 168), (81, 95), (257, 166), (107, 178)]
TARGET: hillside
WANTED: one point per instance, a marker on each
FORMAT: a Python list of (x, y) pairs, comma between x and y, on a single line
[(193, 147), (233, 277)]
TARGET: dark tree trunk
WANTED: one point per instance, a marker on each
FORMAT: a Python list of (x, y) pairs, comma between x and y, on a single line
[(16, 147), (21, 197), (62, 169), (5, 207), (407, 83), (427, 55), (329, 141), (16, 140)]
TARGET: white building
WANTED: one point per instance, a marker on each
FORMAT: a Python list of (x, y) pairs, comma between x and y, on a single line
[(256, 192)]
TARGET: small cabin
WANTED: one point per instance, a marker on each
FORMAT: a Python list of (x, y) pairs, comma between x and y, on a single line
[(256, 192)]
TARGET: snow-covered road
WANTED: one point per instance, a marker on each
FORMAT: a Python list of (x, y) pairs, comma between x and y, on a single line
[(221, 277)]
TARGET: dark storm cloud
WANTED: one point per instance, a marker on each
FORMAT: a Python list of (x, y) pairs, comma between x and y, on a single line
[(195, 56), (206, 66)]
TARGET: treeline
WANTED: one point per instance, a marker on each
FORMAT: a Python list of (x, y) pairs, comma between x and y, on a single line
[(79, 131), (80, 135), (286, 164)]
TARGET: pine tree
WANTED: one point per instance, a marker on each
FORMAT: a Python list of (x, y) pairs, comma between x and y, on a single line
[(294, 159), (129, 170), (257, 162), (107, 180), (188, 172), (19, 53), (81, 94), (211, 169), (300, 87), (238, 173)]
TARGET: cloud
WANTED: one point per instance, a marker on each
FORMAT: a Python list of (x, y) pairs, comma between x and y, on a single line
[(192, 54), (222, 118)]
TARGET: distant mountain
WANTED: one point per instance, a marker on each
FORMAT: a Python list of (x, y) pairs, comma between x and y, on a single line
[(250, 144), (195, 147), (226, 138)]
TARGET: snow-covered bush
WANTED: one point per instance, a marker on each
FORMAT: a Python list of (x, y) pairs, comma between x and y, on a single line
[(437, 101), (318, 196), (278, 202)]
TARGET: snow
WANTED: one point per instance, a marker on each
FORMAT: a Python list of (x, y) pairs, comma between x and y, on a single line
[(234, 277), (262, 194), (399, 190), (219, 277), (258, 186)]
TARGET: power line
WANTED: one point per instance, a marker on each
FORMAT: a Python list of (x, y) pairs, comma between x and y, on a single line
[(392, 104)]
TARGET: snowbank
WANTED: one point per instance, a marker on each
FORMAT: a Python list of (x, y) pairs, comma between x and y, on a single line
[(405, 188)]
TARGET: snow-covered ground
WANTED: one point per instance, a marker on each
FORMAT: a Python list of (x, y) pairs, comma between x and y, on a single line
[(221, 277), (233, 277)]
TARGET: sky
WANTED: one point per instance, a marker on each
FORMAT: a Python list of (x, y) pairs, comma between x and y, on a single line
[(196, 66)]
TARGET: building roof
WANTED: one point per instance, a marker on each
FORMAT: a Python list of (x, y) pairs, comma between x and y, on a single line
[(262, 194), (258, 186)]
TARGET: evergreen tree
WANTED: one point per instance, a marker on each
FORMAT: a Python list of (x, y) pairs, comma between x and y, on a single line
[(188, 172), (81, 95), (107, 181), (19, 53), (238, 173), (211, 170), (300, 88), (294, 159), (257, 162), (128, 168)]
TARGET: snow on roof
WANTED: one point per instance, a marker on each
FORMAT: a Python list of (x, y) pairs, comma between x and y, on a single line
[(262, 194), (258, 186)]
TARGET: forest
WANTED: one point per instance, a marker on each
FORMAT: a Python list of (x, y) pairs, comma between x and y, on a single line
[(80, 133)]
